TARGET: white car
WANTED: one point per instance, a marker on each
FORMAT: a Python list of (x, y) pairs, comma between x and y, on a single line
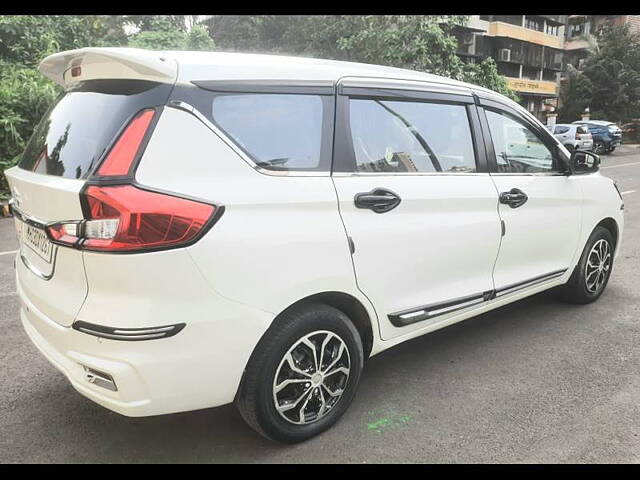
[(204, 228), (572, 136)]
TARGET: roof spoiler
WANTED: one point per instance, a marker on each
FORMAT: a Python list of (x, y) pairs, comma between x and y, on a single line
[(103, 63)]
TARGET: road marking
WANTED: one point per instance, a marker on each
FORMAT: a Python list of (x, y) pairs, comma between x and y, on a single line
[(628, 191), (8, 253), (622, 165)]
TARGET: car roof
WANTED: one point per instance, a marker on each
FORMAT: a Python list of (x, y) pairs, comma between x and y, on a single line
[(186, 67), (595, 122)]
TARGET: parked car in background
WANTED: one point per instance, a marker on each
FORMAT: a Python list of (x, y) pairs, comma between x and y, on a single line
[(606, 135), (573, 137), (201, 228)]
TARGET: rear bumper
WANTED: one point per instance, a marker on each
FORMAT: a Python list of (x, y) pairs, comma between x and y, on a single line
[(200, 367)]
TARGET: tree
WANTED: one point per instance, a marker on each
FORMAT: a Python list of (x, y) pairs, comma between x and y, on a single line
[(576, 93), (610, 81), (419, 42)]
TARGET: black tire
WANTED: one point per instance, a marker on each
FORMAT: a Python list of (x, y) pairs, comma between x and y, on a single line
[(599, 147), (576, 289), (611, 149), (255, 398)]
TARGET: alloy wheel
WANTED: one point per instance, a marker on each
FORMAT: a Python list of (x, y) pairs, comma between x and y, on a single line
[(311, 377), (598, 266)]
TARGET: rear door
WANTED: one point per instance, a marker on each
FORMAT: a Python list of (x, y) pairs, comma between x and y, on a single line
[(416, 201), (540, 206), (66, 146)]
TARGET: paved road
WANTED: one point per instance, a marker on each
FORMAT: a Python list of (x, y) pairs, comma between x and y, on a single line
[(536, 381)]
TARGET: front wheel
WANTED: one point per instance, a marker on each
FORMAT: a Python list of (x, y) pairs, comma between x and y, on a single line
[(303, 374), (592, 273)]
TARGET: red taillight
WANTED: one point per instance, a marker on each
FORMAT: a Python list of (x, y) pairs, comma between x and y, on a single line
[(126, 218), (123, 153)]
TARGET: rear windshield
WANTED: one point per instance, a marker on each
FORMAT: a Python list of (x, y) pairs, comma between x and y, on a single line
[(75, 132)]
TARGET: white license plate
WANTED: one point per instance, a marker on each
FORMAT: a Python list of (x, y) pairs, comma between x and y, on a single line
[(36, 239)]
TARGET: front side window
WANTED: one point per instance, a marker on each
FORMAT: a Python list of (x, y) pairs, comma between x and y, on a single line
[(562, 129), (517, 148), (279, 131), (407, 136)]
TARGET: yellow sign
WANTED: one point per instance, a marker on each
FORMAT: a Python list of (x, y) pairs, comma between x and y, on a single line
[(532, 86)]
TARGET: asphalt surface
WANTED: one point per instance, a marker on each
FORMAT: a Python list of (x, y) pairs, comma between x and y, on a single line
[(535, 381)]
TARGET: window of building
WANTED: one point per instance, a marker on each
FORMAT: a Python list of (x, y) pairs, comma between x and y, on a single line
[(280, 131), (517, 148), (552, 30), (533, 24), (407, 136)]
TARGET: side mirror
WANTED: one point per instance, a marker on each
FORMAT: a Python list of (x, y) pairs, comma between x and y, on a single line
[(582, 162)]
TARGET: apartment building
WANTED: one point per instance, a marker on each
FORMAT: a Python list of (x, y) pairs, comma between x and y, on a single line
[(580, 34), (532, 51), (528, 50)]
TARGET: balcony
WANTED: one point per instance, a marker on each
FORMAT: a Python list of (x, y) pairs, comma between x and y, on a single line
[(500, 29), (537, 87)]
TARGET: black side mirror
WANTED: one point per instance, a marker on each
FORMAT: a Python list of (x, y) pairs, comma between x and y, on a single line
[(582, 162)]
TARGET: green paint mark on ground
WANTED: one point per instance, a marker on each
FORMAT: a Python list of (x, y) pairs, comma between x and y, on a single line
[(386, 423)]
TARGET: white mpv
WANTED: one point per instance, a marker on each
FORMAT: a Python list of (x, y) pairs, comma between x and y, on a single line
[(204, 228)]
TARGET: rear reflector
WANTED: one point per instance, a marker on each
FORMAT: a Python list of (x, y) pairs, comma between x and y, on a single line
[(123, 153), (126, 218), (129, 334)]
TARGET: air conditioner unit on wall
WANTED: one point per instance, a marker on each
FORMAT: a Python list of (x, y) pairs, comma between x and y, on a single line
[(504, 55)]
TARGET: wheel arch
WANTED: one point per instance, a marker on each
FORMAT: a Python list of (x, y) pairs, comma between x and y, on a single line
[(611, 225), (347, 304)]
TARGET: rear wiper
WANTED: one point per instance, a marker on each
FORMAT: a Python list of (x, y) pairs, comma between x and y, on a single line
[(274, 162)]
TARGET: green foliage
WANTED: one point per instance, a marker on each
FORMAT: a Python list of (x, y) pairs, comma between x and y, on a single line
[(576, 94), (24, 97), (419, 42), (610, 81), (486, 75)]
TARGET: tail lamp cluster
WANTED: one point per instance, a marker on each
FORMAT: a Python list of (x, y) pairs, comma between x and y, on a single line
[(121, 217)]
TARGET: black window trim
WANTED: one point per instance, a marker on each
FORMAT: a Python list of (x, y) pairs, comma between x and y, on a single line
[(290, 87), (344, 154), (542, 133)]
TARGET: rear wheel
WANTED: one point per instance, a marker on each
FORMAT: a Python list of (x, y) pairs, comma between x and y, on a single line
[(592, 273), (599, 147), (303, 374)]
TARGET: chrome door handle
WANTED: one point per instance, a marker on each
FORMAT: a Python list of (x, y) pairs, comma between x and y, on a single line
[(380, 200), (514, 198)]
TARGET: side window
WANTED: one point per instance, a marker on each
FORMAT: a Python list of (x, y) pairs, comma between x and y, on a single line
[(561, 129), (279, 131), (408, 136), (518, 149)]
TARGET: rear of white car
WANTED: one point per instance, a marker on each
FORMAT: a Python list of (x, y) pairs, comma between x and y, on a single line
[(574, 137), (110, 293)]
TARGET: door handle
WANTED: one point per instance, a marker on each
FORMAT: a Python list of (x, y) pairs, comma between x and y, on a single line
[(380, 200), (514, 198)]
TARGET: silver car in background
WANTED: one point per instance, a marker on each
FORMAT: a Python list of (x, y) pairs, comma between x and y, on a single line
[(572, 136)]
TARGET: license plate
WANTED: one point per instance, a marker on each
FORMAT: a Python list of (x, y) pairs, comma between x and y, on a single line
[(36, 239)]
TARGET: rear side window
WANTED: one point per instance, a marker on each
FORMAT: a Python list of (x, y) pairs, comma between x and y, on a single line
[(408, 136), (80, 126), (279, 131), (562, 129)]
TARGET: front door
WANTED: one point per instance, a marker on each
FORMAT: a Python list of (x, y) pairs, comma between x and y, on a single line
[(539, 205), (420, 212)]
